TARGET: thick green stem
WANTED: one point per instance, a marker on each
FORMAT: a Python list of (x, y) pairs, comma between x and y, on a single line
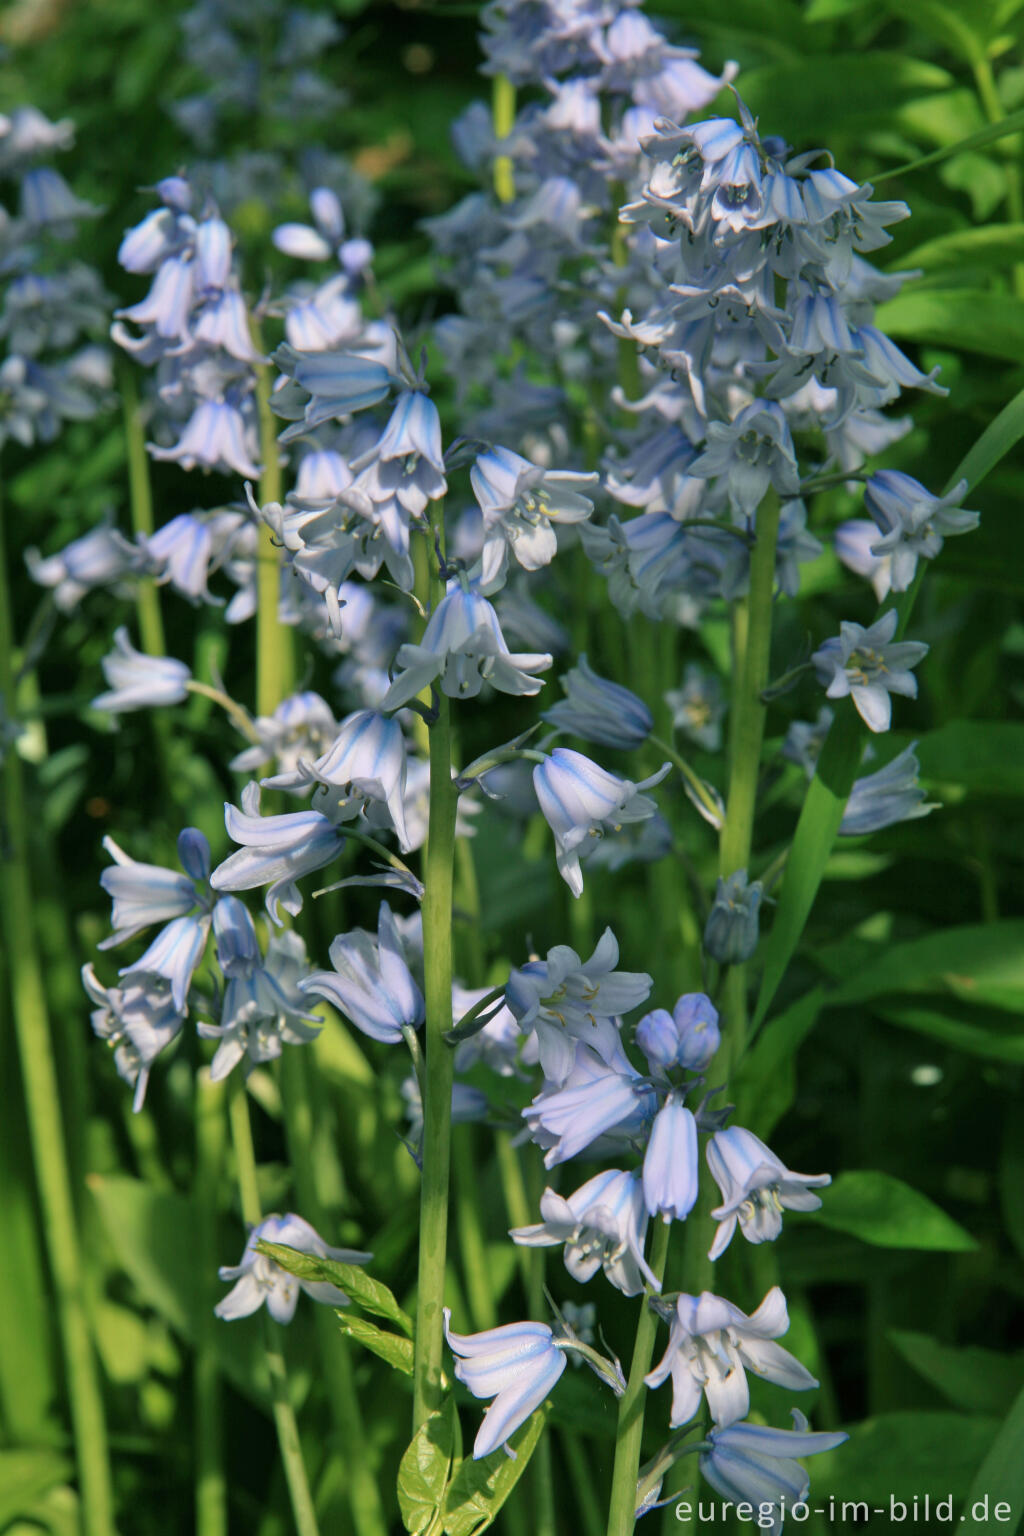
[(503, 114), (43, 1111), (361, 1484), (284, 1414), (437, 975), (630, 1433), (210, 1483), (274, 649)]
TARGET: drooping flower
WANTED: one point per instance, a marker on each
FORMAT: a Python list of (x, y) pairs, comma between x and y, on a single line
[(602, 1226), (599, 710), (462, 648), (517, 1365), (731, 930), (671, 1168), (137, 1020), (598, 1096), (363, 770), (259, 1279), (756, 1465), (912, 521), (712, 1345), (371, 983), (869, 666), (582, 801), (756, 1188), (890, 795), (138, 681), (276, 851)]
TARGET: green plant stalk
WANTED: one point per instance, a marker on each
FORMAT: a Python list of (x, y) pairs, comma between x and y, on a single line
[(630, 1431), (541, 1472), (472, 1240), (746, 738), (992, 106), (284, 1414), (503, 115), (140, 493), (364, 1498), (274, 649), (437, 977), (43, 1112), (210, 1483)]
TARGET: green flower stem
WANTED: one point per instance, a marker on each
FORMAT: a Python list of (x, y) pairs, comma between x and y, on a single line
[(437, 974), (147, 601), (43, 1112), (517, 1202), (360, 1483), (210, 1484), (274, 649), (992, 106), (284, 1414), (239, 717), (693, 779), (472, 1238), (503, 114), (541, 1471), (581, 1475), (622, 1510)]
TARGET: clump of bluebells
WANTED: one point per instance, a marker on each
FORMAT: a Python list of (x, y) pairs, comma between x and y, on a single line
[(710, 358)]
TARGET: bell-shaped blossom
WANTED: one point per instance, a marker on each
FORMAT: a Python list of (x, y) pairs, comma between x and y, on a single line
[(517, 1365), (138, 681), (319, 243), (175, 955), (671, 1168), (216, 436), (260, 1279), (521, 503), (687, 1037), (890, 795), (337, 383), (756, 1188), (854, 542), (756, 1465), (751, 453), (581, 801), (462, 648), (868, 666), (299, 730), (602, 1226), (698, 707), (600, 711), (598, 1096), (406, 464), (371, 983), (276, 851), (46, 198), (262, 1008), (712, 1345), (732, 927), (912, 521), (100, 558), (563, 1000), (144, 894), (138, 1020), (365, 766)]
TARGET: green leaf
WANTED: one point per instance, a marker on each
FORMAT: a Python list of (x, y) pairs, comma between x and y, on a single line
[(1000, 1478), (995, 246), (795, 99), (389, 1346), (765, 1083), (424, 1468), (1012, 123), (363, 1289), (25, 1475), (980, 1380), (971, 961), (1004, 1043), (480, 1488), (986, 756), (997, 440), (903, 1456), (887, 1213), (970, 319)]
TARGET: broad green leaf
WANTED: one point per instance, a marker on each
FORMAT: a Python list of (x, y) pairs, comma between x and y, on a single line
[(796, 99), (363, 1289), (480, 1488), (992, 1043), (1011, 1180), (903, 1455), (980, 1380), (1012, 123), (973, 320), (995, 246), (1000, 1479), (986, 756), (389, 1346), (887, 1213), (25, 1475), (123, 1342), (997, 440), (424, 1468), (959, 961), (765, 1083)]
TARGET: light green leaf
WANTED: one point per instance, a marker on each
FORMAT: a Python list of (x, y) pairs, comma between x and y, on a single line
[(389, 1346), (980, 1380), (424, 1468), (887, 1213), (1012, 123), (25, 1475), (795, 99), (903, 1455), (970, 319), (363, 1289), (995, 246), (765, 1083), (123, 1341), (480, 1488), (962, 962), (1000, 1478)]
